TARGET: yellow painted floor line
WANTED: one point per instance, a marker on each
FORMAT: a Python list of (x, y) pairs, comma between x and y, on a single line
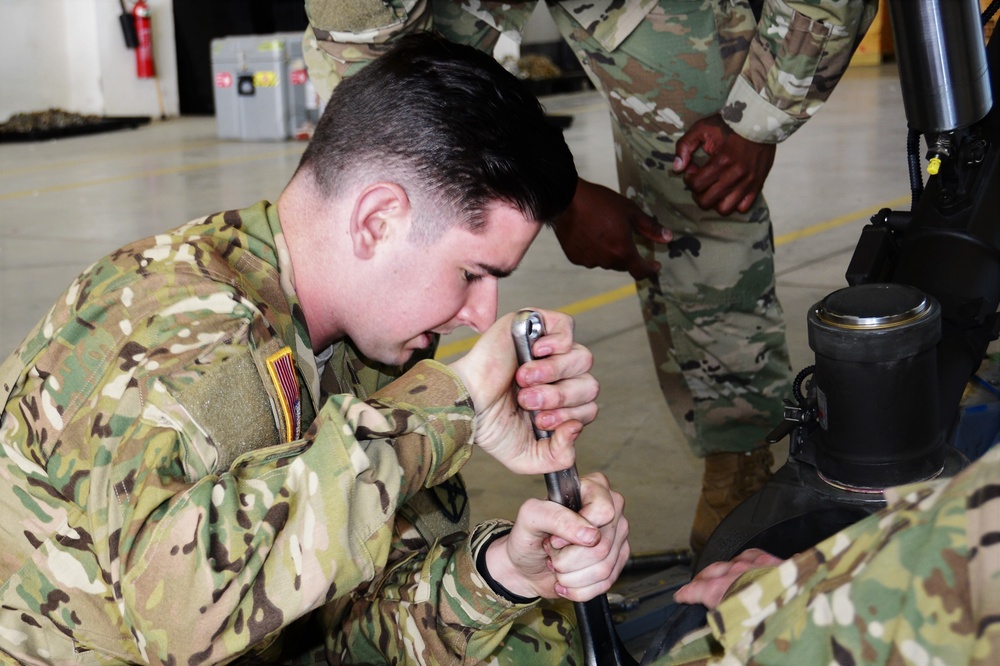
[(592, 303), (820, 227)]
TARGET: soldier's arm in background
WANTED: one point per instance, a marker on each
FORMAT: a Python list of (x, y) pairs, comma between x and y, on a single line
[(918, 582), (797, 56)]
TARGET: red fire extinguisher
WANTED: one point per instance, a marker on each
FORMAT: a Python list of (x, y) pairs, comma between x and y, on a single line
[(144, 68)]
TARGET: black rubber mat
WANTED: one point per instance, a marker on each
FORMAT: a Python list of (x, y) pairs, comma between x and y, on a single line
[(55, 124)]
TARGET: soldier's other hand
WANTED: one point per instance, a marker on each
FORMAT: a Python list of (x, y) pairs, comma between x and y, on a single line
[(734, 172), (597, 231), (711, 584), (558, 385), (552, 551)]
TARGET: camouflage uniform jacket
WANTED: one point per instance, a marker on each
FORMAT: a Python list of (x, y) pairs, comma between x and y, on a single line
[(795, 58), (917, 583), (792, 60), (173, 489)]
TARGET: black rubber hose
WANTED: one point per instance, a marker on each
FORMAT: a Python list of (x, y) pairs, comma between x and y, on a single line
[(990, 11), (913, 164), (797, 385), (657, 561)]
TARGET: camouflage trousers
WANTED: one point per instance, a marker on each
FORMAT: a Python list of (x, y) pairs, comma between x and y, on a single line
[(715, 326)]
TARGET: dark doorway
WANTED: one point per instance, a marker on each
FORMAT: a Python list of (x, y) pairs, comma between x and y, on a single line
[(198, 22)]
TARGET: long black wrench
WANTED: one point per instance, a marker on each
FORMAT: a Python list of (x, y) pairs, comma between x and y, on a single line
[(601, 644)]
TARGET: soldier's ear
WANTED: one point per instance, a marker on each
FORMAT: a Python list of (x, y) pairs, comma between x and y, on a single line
[(382, 212)]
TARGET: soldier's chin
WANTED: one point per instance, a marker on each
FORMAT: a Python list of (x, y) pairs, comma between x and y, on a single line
[(386, 355), (422, 341), (418, 346), (405, 352)]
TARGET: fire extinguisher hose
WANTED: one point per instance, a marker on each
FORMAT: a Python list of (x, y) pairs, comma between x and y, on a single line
[(128, 27)]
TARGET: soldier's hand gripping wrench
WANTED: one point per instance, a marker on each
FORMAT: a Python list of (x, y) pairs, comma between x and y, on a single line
[(601, 644)]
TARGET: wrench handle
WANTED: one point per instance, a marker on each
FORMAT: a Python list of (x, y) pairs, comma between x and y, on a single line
[(526, 328), (563, 486), (601, 644)]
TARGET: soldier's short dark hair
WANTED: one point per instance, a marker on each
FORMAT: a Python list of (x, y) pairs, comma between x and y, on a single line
[(451, 126)]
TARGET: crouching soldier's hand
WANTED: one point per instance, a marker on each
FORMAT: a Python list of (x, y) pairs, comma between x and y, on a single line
[(552, 551), (558, 385)]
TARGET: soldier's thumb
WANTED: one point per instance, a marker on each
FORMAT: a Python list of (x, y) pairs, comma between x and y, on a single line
[(685, 149)]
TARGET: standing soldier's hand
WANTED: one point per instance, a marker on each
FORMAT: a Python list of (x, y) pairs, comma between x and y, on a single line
[(598, 231), (735, 171)]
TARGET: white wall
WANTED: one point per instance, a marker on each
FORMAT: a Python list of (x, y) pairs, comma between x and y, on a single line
[(70, 54)]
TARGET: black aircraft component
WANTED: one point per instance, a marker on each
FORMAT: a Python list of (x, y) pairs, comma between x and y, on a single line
[(896, 348)]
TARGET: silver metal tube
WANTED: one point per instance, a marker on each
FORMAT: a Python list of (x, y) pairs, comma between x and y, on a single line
[(941, 54)]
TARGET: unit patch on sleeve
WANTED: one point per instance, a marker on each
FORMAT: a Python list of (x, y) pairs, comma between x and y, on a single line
[(282, 370)]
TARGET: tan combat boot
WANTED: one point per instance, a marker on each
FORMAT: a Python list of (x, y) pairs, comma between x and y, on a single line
[(729, 479)]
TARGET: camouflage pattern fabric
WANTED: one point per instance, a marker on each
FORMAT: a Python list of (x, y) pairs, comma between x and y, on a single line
[(917, 583), (331, 56), (344, 35), (385, 621), (715, 326), (713, 320), (176, 486)]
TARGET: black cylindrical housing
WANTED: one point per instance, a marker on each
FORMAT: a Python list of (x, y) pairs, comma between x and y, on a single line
[(876, 385), (941, 53)]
